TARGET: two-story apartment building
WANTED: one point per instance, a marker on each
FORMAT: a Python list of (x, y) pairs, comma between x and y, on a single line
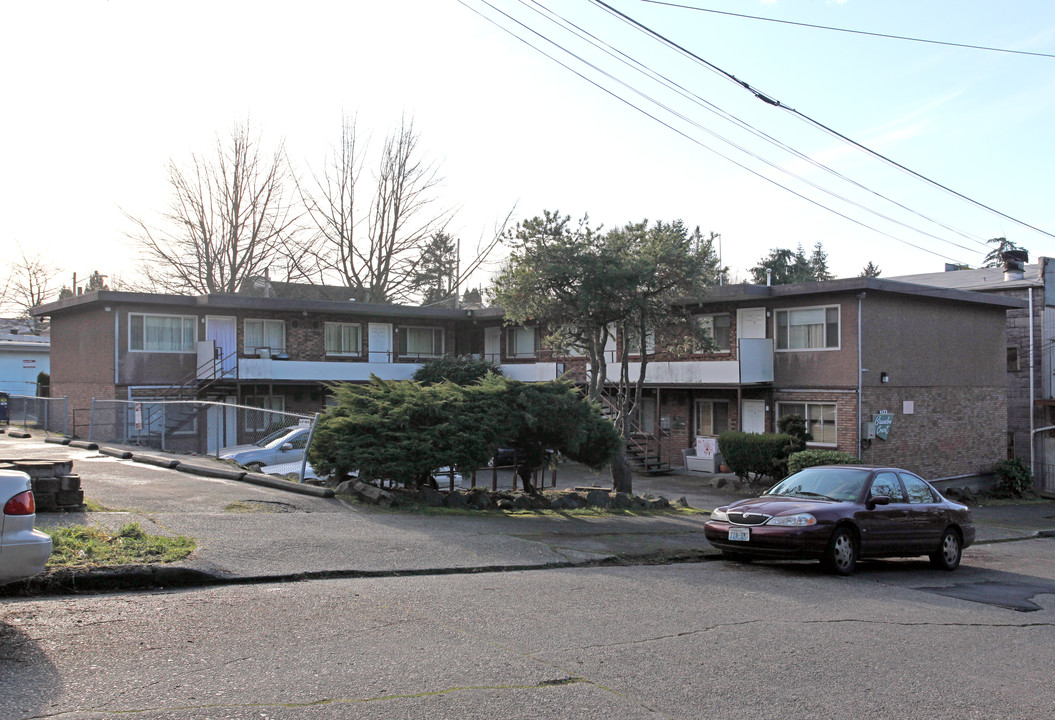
[(930, 362)]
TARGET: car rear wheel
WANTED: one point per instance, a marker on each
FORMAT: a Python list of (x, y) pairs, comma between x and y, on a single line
[(841, 555), (947, 557)]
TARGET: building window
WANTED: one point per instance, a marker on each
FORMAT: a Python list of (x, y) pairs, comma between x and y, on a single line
[(162, 333), (808, 328), (820, 420), (522, 343), (712, 417), (263, 420), (719, 328), (1012, 359), (421, 341), (343, 339), (267, 335)]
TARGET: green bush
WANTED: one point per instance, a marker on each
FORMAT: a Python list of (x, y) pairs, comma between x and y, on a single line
[(458, 369), (754, 456), (809, 458), (1013, 478)]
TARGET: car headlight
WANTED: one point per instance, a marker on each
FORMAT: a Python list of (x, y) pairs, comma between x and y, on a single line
[(720, 515), (800, 520)]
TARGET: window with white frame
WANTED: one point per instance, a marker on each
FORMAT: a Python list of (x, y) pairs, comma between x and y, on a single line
[(719, 328), (262, 420), (162, 333), (522, 342), (820, 420), (815, 328), (421, 341), (712, 417), (343, 339), (264, 335)]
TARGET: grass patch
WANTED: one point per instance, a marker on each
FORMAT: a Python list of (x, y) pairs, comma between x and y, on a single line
[(92, 506), (81, 546)]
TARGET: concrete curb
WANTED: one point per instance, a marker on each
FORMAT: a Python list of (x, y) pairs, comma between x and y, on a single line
[(57, 440), (216, 472), (114, 452), (84, 445), (279, 484), (18, 434), (161, 462)]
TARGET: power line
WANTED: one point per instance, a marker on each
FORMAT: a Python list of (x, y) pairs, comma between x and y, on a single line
[(676, 130), (855, 32), (769, 100), (640, 67)]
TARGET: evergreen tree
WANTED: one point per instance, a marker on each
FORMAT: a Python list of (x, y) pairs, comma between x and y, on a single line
[(870, 270)]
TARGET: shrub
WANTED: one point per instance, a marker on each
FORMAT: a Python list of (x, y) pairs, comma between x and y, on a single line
[(1013, 478), (809, 458), (754, 456), (458, 369)]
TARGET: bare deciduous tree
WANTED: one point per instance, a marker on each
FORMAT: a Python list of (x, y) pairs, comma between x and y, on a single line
[(230, 219), (30, 283), (374, 247)]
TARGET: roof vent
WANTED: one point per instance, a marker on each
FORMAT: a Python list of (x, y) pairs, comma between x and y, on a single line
[(1014, 264)]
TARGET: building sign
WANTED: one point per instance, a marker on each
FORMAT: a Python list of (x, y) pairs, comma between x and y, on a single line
[(29, 364), (883, 421), (139, 415)]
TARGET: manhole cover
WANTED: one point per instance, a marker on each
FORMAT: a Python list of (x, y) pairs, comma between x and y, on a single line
[(1013, 596)]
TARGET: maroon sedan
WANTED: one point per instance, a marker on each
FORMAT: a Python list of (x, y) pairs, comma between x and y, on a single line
[(839, 513)]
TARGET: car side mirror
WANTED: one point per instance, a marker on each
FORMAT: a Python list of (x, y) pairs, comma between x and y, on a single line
[(286, 447), (877, 500)]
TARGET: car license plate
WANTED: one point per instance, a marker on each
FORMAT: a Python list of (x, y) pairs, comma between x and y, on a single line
[(739, 534)]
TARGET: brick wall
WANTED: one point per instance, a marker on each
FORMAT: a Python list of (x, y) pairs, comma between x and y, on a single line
[(80, 399), (845, 414), (951, 431)]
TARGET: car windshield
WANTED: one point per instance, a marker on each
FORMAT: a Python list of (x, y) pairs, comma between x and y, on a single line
[(830, 483), (264, 442)]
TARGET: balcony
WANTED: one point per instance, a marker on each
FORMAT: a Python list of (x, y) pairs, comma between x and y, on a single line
[(754, 367)]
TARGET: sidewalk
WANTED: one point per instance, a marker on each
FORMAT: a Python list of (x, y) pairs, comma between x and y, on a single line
[(252, 533)]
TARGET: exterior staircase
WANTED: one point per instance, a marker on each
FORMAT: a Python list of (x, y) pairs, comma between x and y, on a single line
[(642, 450)]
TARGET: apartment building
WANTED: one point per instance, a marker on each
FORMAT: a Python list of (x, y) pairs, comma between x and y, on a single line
[(928, 364)]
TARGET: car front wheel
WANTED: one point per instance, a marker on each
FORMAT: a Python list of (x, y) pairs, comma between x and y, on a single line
[(947, 557), (841, 556)]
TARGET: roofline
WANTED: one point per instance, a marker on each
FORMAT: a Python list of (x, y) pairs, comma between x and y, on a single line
[(721, 294), (224, 301)]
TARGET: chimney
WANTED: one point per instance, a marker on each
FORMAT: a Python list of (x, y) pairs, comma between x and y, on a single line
[(769, 276), (1014, 264)]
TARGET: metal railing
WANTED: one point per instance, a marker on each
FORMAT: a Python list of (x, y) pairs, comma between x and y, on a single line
[(48, 414)]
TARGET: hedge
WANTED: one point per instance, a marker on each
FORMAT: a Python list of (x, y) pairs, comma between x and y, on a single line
[(810, 458), (753, 456)]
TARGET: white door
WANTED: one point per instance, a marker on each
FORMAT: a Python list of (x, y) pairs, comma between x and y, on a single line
[(493, 345), (223, 331), (380, 340), (222, 425), (751, 323), (754, 416)]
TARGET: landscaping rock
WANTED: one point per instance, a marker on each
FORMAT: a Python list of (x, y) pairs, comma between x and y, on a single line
[(575, 501), (457, 499), (524, 502), (682, 502), (373, 495), (622, 501), (639, 503), (431, 497), (480, 499), (598, 498), (719, 482), (345, 488), (505, 504)]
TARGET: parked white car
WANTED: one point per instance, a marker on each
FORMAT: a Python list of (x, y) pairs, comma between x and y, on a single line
[(278, 448), (23, 550)]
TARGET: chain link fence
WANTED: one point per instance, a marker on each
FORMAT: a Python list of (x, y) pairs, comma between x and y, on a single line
[(251, 436), (40, 413)]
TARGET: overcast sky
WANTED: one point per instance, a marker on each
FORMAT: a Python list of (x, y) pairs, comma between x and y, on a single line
[(99, 96)]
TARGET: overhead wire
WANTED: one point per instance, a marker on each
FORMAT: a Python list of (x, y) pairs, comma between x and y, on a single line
[(769, 100), (652, 74), (848, 30), (680, 132)]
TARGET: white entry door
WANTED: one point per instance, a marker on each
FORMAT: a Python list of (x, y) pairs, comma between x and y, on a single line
[(222, 425), (380, 339), (754, 416), (751, 323), (223, 331), (493, 344)]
